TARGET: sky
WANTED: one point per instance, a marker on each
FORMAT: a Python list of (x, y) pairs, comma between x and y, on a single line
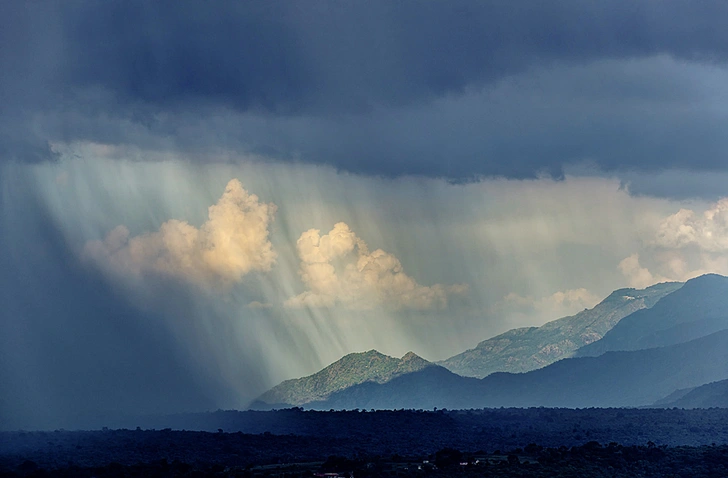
[(200, 200)]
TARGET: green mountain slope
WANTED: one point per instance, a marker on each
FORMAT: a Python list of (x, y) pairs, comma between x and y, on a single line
[(697, 309), (530, 348), (352, 369)]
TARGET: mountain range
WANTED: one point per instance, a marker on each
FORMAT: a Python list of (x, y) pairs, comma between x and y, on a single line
[(662, 345), (615, 379), (697, 309), (530, 348), (714, 394)]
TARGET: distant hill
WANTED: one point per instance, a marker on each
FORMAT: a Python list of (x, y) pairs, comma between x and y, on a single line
[(710, 395), (530, 348), (433, 387), (352, 369), (697, 309), (674, 396), (615, 379)]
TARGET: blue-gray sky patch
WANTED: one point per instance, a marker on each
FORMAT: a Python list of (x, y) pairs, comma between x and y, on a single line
[(385, 88)]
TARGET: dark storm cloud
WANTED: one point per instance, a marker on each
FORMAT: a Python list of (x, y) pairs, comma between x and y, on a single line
[(298, 57), (159, 74)]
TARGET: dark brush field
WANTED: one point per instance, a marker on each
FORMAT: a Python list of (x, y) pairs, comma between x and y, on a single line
[(503, 442)]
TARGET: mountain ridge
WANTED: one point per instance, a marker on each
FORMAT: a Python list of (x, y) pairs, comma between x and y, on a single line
[(710, 395), (352, 369), (681, 331), (615, 379), (528, 348), (697, 309)]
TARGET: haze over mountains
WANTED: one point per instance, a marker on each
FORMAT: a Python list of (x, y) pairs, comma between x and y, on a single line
[(615, 379), (660, 346), (714, 394), (529, 348), (697, 309)]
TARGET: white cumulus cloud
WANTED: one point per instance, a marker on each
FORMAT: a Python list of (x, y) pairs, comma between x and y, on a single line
[(230, 244), (338, 269), (708, 231), (685, 244), (638, 276)]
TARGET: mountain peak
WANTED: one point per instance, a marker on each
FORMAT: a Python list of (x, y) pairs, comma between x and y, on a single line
[(709, 275), (705, 279), (368, 354), (352, 369), (413, 361)]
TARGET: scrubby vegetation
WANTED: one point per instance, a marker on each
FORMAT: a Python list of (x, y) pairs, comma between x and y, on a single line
[(492, 442), (350, 370), (589, 460)]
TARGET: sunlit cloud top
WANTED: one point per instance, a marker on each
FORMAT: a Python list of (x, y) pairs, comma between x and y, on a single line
[(364, 279), (230, 244)]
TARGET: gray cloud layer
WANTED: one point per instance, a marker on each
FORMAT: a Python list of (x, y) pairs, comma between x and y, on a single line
[(339, 83)]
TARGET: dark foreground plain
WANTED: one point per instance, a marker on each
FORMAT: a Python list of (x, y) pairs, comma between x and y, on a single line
[(490, 442)]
